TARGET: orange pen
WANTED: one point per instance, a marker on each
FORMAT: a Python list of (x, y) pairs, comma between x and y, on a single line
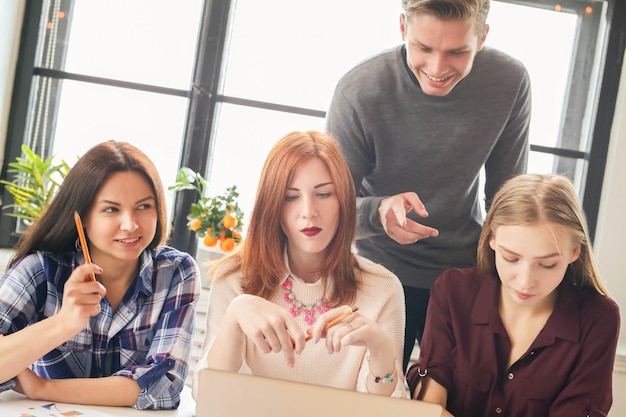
[(83, 242), (335, 321)]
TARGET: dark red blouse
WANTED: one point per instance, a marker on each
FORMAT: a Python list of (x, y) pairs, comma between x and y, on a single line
[(566, 372)]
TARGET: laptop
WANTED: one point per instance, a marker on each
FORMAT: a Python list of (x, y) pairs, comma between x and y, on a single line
[(222, 394)]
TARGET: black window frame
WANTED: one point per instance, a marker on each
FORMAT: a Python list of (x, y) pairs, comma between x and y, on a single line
[(205, 98)]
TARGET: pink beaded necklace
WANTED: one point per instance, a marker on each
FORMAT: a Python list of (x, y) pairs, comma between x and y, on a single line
[(297, 306)]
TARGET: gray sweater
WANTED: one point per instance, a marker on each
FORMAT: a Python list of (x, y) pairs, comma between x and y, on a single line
[(397, 139)]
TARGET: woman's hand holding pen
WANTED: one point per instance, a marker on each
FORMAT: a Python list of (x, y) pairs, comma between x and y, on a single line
[(81, 297), (357, 330), (353, 329)]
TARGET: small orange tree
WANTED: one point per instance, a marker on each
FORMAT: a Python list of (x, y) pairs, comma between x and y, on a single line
[(216, 220)]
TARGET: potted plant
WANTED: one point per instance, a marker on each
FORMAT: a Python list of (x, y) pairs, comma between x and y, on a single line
[(216, 220), (35, 181)]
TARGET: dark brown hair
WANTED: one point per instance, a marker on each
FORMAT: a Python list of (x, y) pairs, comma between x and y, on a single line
[(55, 231)]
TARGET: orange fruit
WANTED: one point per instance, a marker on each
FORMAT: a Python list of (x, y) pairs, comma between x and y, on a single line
[(229, 222), (195, 225), (210, 240), (227, 244)]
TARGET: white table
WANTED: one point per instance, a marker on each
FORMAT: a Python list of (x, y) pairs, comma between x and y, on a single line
[(187, 406)]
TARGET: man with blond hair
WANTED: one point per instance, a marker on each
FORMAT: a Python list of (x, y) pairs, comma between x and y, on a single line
[(418, 124)]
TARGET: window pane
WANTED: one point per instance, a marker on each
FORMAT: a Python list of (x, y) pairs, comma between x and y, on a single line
[(297, 58), (244, 138), (145, 41), (542, 163), (89, 114), (303, 68), (544, 41)]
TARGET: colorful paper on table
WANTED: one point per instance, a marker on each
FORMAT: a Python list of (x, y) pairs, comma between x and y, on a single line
[(28, 408)]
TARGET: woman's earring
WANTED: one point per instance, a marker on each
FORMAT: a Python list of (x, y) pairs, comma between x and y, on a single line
[(77, 244)]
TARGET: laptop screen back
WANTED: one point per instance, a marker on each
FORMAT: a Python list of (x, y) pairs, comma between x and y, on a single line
[(222, 394)]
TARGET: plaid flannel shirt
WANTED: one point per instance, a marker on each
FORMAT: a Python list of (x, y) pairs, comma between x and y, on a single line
[(148, 338)]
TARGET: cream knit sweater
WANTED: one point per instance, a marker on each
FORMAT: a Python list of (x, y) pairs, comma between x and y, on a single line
[(380, 297)]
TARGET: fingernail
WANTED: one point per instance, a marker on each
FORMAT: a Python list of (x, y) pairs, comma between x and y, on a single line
[(291, 365), (330, 352), (314, 340), (100, 269)]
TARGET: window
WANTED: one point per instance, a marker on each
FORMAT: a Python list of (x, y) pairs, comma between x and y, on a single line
[(265, 73), (564, 66), (274, 82), (260, 72), (109, 69)]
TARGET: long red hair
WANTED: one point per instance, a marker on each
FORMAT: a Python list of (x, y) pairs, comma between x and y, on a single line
[(261, 257)]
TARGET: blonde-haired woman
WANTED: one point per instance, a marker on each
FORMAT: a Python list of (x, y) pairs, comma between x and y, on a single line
[(531, 330)]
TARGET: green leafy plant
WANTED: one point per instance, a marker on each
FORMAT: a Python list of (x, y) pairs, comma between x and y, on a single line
[(216, 220), (34, 183)]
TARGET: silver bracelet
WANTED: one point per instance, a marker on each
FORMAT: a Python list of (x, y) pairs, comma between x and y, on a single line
[(387, 378)]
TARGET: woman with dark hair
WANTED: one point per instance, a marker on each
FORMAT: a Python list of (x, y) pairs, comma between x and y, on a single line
[(296, 272), (530, 331), (123, 339)]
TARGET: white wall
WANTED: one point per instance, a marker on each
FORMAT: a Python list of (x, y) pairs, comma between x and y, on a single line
[(610, 241), (11, 16)]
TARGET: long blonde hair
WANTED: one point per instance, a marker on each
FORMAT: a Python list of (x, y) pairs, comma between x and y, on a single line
[(261, 257), (533, 198)]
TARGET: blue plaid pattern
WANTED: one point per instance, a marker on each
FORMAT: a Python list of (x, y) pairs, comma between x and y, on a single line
[(149, 338)]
